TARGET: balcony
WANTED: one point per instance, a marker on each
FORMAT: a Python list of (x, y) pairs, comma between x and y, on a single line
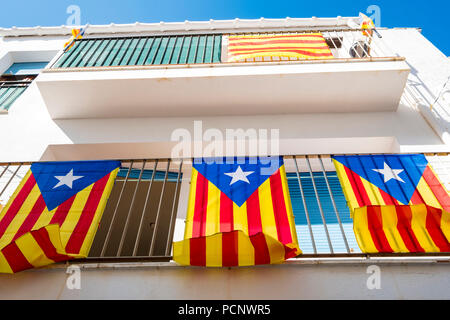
[(190, 75), (147, 207)]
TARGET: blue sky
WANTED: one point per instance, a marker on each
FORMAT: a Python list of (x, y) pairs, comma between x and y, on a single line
[(429, 15)]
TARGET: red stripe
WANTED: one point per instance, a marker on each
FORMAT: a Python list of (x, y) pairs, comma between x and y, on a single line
[(375, 226), (230, 249), (262, 255), (17, 204), (438, 190), (84, 222), (254, 214), (260, 43), (387, 198), (32, 217), (358, 188), (304, 52), (15, 258), (416, 198), (201, 202), (62, 211), (279, 209), (197, 251), (355, 190), (265, 48), (433, 226), (277, 37), (43, 240), (404, 217), (226, 213)]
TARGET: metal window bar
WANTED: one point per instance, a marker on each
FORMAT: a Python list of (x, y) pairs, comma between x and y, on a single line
[(139, 218)]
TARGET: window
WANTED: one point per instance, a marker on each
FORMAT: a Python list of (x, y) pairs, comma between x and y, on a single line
[(152, 200), (15, 80), (313, 210)]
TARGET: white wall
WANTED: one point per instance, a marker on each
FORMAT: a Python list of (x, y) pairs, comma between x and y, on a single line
[(294, 280)]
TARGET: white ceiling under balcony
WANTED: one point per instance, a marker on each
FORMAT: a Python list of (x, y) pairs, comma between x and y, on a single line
[(224, 89)]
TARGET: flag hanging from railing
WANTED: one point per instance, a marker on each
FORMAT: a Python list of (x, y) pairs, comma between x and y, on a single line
[(239, 214), (300, 46), (54, 213), (397, 203), (76, 34)]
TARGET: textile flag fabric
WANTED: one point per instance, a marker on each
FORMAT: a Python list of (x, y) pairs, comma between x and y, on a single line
[(76, 34), (397, 203), (239, 214), (54, 213), (300, 46)]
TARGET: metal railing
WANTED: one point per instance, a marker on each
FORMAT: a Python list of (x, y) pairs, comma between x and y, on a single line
[(344, 44), (139, 219), (201, 49)]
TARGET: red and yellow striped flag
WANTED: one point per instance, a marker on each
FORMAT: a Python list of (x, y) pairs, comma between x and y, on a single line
[(397, 203), (300, 46), (238, 215), (54, 213)]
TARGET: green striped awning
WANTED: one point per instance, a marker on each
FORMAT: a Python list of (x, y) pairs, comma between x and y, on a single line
[(136, 51), (9, 93)]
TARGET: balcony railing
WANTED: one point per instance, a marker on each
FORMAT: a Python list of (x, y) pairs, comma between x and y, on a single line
[(200, 49), (139, 220)]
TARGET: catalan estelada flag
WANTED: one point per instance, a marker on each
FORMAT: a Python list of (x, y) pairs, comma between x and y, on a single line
[(54, 213), (300, 46), (397, 203), (76, 34), (239, 214)]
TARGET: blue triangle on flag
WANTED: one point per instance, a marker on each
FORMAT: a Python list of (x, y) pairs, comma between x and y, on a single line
[(395, 174), (237, 177), (59, 181)]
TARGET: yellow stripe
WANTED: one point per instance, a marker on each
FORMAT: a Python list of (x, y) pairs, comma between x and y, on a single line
[(352, 202), (32, 251), (427, 195), (361, 230), (418, 225), (214, 250), (373, 193), (11, 199), (181, 252), (191, 206), (246, 251), (87, 243), (54, 234), (44, 219), (74, 214), (276, 250), (290, 212), (389, 218), (445, 224), (269, 226), (213, 210), (20, 216), (4, 265), (240, 221)]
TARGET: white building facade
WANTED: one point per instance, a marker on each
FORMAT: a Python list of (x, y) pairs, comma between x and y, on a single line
[(131, 92)]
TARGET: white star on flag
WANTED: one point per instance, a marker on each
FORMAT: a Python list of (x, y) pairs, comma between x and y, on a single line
[(67, 180), (239, 175), (389, 173)]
